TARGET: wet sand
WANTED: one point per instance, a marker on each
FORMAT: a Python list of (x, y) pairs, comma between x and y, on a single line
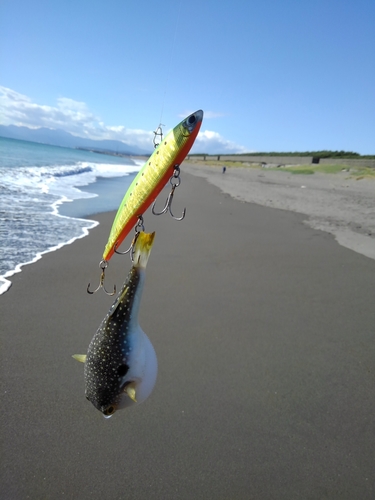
[(264, 332)]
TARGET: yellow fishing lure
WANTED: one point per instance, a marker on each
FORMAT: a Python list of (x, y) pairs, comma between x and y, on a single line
[(151, 179)]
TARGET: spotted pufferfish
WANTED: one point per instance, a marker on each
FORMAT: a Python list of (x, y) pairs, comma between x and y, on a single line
[(121, 364)]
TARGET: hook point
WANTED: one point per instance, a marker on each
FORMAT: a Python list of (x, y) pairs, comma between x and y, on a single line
[(103, 265)]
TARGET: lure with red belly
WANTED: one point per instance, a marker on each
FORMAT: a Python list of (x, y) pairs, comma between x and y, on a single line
[(152, 178)]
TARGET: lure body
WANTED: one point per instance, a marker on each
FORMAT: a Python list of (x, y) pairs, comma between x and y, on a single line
[(121, 365), (151, 179)]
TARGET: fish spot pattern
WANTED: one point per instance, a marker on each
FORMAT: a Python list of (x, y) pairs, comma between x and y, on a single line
[(109, 353)]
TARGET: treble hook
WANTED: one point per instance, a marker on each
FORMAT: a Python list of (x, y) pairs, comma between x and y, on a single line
[(103, 266), (137, 228), (175, 182)]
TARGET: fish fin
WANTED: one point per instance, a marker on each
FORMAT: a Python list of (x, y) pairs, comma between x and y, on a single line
[(117, 303), (142, 249), (80, 357), (130, 390)]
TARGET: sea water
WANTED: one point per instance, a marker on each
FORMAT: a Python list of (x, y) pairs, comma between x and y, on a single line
[(45, 191)]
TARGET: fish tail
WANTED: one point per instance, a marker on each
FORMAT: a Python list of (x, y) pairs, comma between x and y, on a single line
[(143, 248)]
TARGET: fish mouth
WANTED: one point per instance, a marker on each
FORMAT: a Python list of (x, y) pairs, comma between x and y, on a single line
[(108, 411), (193, 120)]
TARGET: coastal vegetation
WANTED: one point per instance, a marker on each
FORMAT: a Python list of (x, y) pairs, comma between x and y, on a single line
[(317, 154), (355, 172)]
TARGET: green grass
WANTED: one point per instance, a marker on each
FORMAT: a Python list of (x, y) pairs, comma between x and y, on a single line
[(309, 170), (355, 172), (364, 173), (229, 164), (298, 170), (330, 169)]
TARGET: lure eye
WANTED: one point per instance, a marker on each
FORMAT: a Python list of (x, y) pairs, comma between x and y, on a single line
[(190, 122)]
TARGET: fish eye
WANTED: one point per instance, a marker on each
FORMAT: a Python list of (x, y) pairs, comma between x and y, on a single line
[(122, 370), (191, 119)]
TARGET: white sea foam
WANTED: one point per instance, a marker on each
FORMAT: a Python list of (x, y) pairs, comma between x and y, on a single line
[(30, 197), (6, 284), (62, 179)]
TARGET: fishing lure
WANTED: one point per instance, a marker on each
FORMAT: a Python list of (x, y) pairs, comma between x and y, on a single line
[(121, 364), (163, 165), (152, 178)]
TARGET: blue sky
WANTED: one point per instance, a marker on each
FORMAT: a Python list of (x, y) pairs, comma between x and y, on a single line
[(270, 75)]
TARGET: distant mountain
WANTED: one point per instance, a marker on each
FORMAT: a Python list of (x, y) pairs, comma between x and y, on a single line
[(65, 139)]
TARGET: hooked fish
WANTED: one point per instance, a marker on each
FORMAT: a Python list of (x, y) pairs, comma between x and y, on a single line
[(121, 364), (152, 178)]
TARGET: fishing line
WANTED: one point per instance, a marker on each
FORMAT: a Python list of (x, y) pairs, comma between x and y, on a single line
[(159, 130)]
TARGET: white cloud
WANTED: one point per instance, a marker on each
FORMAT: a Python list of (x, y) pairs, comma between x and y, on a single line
[(18, 109), (213, 143), (76, 118), (69, 115), (71, 104)]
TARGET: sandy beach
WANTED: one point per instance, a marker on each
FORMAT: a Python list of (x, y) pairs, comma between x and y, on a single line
[(341, 204), (264, 330)]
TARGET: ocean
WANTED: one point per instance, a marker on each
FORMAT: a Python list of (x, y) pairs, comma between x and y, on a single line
[(45, 193)]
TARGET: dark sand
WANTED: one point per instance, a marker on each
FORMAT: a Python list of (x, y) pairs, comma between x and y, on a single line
[(264, 332)]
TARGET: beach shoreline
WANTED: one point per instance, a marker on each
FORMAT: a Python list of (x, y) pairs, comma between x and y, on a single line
[(45, 190), (336, 203), (265, 354)]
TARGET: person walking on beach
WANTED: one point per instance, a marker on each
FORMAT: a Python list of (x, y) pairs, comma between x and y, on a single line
[(224, 169)]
